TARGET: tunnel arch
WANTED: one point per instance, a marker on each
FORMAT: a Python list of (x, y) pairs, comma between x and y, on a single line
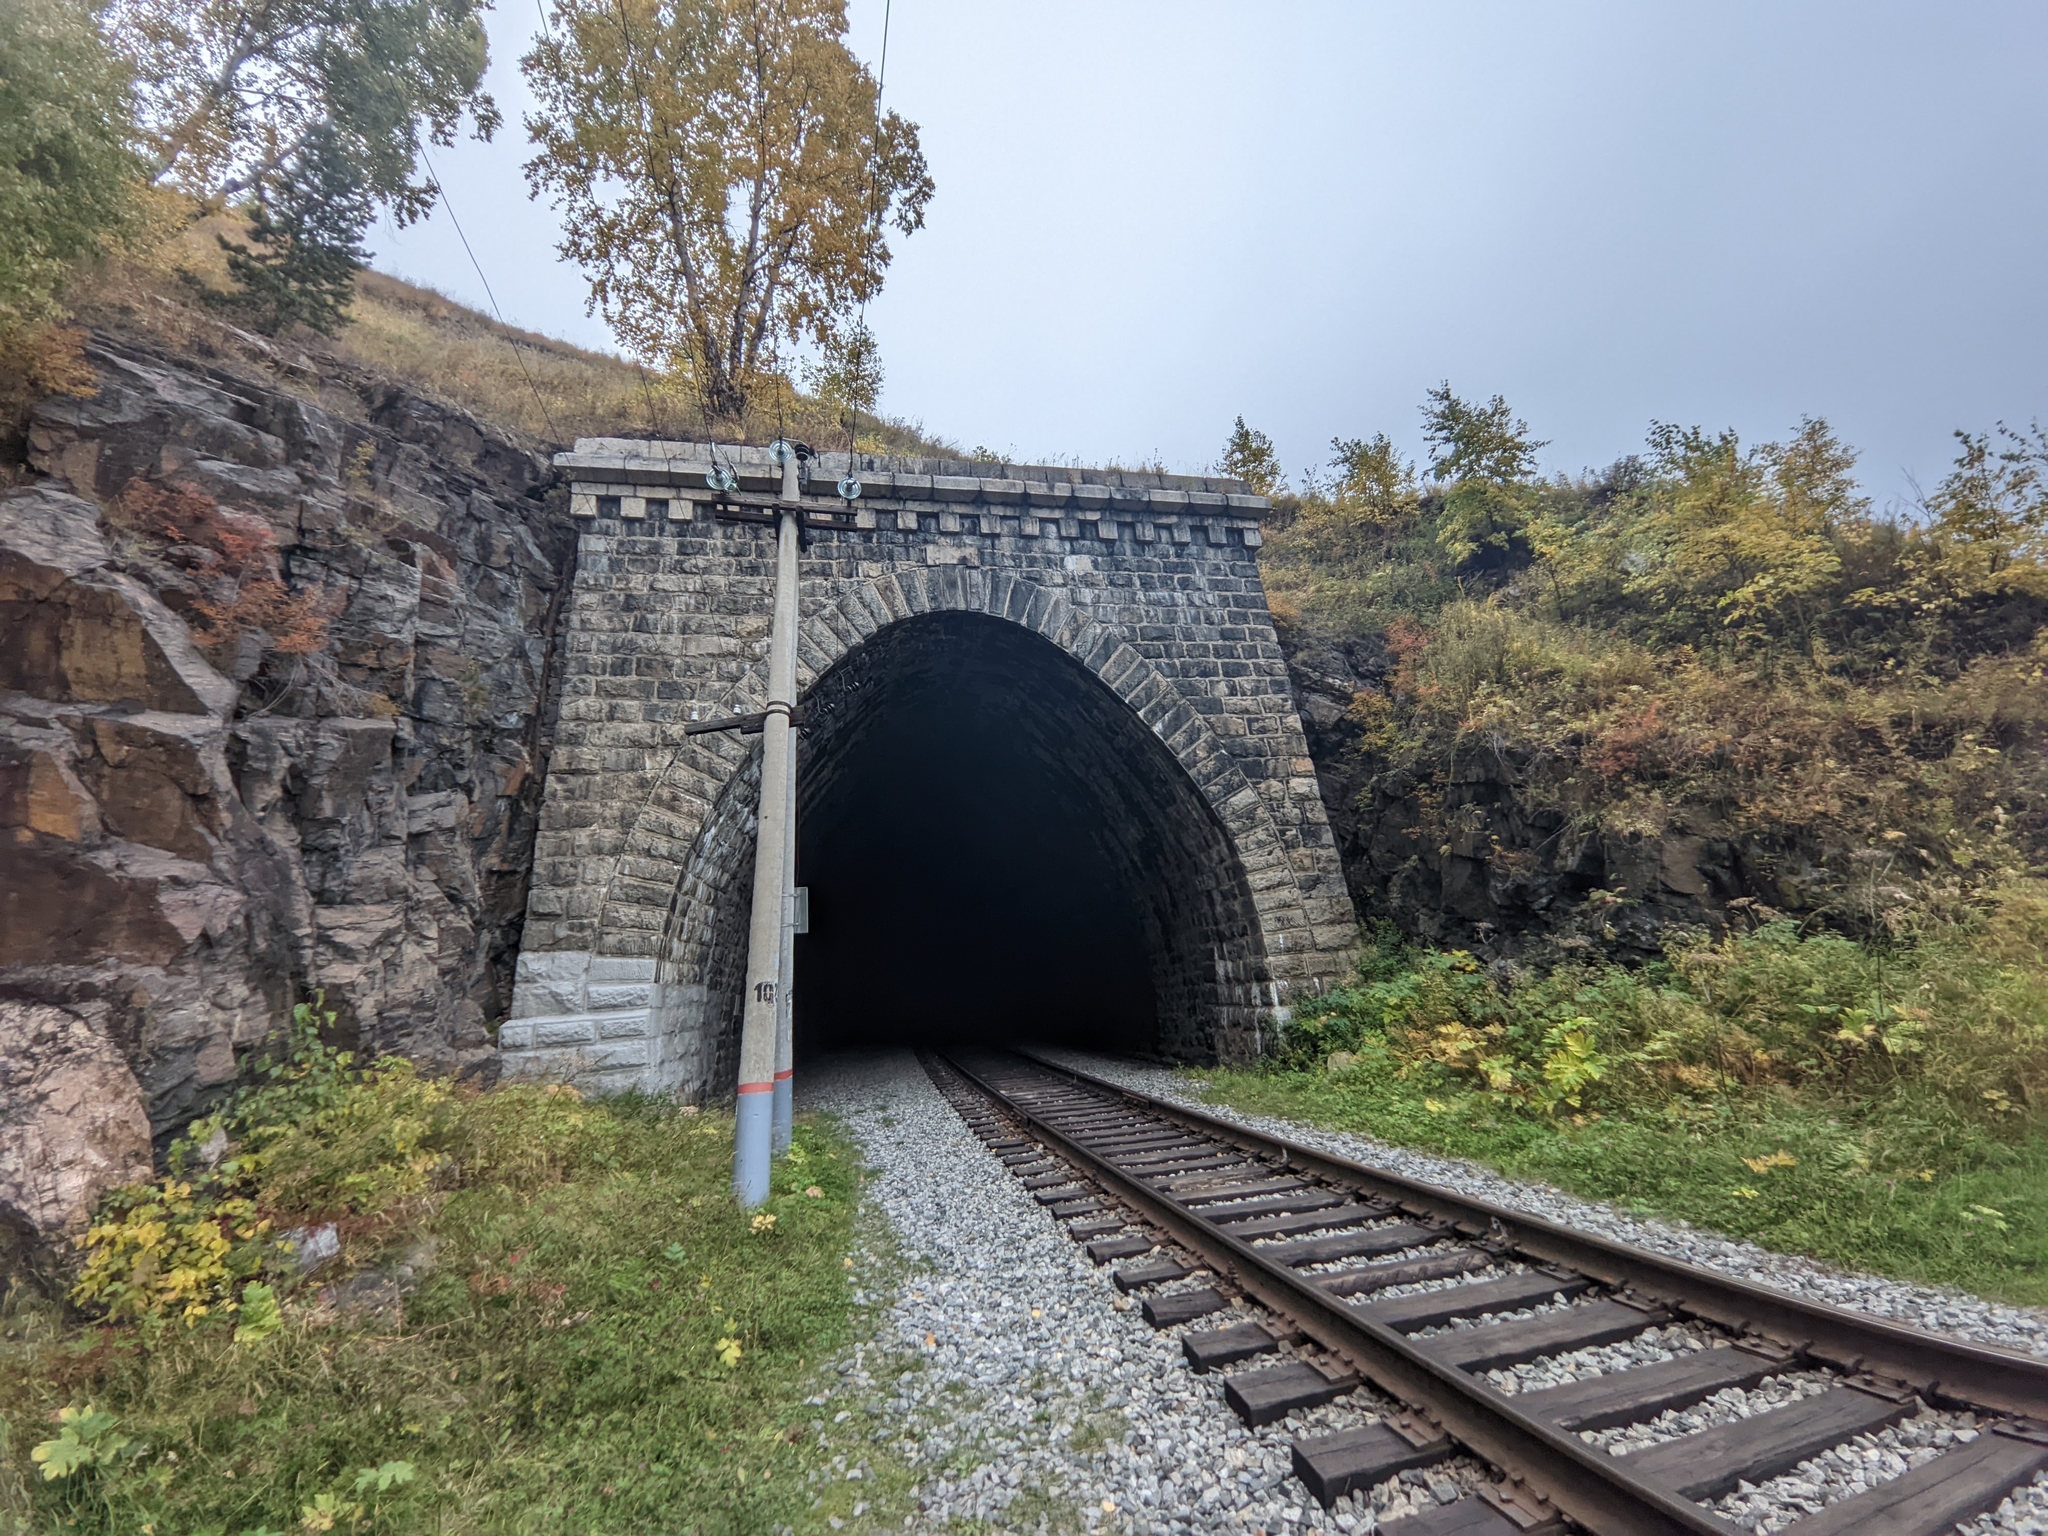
[(1209, 970), (996, 848)]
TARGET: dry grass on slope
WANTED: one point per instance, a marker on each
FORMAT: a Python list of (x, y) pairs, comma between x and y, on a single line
[(502, 373), (532, 386), (432, 344)]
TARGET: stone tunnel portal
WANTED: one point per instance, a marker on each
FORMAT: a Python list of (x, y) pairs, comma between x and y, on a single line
[(998, 850), (1053, 783)]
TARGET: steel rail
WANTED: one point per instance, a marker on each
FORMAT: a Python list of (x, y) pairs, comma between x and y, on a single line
[(1947, 1371), (1587, 1485)]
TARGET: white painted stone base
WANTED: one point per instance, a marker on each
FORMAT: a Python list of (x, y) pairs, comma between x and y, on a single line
[(586, 1019)]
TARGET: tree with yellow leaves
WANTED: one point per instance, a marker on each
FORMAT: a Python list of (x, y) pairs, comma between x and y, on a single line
[(725, 176)]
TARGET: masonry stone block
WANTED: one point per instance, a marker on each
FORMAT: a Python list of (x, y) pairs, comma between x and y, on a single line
[(645, 839), (551, 966), (560, 1032), (532, 999)]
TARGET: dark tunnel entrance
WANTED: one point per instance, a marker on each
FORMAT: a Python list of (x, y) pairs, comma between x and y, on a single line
[(998, 850)]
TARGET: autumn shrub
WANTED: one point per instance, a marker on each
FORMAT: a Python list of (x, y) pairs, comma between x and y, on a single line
[(231, 568), (1955, 1015), (174, 1250), (306, 1137)]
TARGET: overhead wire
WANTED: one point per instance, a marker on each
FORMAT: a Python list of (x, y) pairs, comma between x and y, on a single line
[(442, 193)]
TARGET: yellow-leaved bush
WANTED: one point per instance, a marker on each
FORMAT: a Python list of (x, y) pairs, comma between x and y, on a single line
[(307, 1137), (168, 1250), (384, 1140)]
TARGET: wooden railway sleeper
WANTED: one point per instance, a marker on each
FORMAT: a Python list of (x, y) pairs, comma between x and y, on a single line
[(1916, 1504), (1976, 1376), (1608, 1502)]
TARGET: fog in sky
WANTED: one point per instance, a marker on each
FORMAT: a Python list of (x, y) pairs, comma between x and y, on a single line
[(1153, 217)]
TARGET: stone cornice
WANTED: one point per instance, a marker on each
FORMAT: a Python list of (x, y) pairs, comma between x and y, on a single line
[(630, 466)]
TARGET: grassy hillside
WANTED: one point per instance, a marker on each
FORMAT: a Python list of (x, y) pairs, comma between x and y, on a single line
[(533, 1314), (533, 386), (1709, 639), (1839, 1040)]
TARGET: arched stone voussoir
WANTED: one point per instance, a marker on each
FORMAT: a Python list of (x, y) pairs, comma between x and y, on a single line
[(1151, 696)]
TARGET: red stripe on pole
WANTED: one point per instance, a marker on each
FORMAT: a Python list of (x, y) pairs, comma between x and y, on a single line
[(757, 1087), (786, 1072)]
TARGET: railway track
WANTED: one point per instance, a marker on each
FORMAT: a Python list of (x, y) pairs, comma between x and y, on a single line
[(1307, 1277)]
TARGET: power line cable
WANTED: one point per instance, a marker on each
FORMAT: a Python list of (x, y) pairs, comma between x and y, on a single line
[(442, 193)]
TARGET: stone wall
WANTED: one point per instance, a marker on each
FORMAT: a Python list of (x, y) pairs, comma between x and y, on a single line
[(1149, 583)]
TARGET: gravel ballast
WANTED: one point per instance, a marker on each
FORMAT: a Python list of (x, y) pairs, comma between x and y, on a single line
[(1028, 1395), (1916, 1306), (1039, 1400)]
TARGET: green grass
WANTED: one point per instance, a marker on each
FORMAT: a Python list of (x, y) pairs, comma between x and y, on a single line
[(1853, 1196), (557, 1368)]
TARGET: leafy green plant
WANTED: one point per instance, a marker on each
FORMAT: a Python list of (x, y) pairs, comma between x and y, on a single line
[(260, 1316), (88, 1438), (172, 1249), (1573, 1065)]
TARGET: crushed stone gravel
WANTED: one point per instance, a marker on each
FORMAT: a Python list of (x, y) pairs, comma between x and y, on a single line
[(1915, 1305), (1029, 1395), (1042, 1401)]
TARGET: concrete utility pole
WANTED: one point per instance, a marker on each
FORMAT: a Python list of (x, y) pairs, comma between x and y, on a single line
[(785, 991), (763, 1062)]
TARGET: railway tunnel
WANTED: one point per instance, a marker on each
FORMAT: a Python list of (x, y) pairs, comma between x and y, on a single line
[(998, 850), (1052, 782)]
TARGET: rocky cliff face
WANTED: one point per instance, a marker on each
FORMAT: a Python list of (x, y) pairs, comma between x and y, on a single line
[(1464, 859), (275, 655)]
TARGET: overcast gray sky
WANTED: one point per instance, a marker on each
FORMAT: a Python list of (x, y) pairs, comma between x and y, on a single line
[(1153, 217)]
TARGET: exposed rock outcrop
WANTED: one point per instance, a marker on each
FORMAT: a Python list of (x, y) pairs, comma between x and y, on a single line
[(75, 1128), (1466, 860), (202, 820)]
